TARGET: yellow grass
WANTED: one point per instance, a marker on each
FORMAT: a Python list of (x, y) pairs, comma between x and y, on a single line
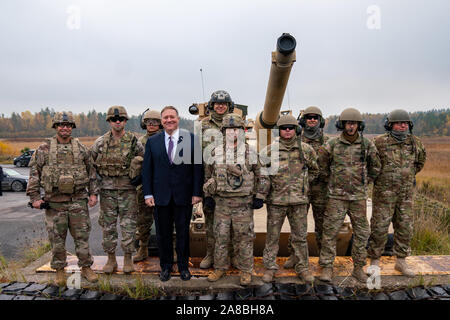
[(434, 180)]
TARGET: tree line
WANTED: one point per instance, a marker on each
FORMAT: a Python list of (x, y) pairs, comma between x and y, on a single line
[(37, 125)]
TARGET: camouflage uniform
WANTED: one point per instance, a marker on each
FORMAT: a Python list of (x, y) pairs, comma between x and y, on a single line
[(58, 168), (318, 197), (347, 190), (209, 123), (145, 213), (233, 213), (117, 194), (288, 195), (393, 193)]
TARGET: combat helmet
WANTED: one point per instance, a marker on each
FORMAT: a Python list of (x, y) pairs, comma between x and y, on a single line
[(119, 111), (397, 115), (221, 96), (286, 120), (350, 114), (150, 114), (311, 110), (61, 117), (232, 120)]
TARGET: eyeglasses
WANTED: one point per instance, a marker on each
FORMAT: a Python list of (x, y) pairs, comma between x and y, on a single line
[(66, 125), (115, 119), (151, 122), (290, 127), (311, 117)]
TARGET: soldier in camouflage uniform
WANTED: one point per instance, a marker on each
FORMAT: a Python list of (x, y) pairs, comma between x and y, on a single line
[(114, 156), (351, 161), (312, 122), (235, 186), (288, 196), (402, 157), (63, 168), (151, 121), (219, 105)]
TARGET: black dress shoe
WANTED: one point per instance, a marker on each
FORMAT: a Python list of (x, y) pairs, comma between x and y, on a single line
[(185, 275), (164, 275)]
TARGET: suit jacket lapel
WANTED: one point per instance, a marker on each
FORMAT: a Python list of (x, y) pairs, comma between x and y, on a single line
[(163, 147)]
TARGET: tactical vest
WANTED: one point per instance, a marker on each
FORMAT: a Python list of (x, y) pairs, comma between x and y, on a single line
[(234, 179), (115, 159), (65, 171)]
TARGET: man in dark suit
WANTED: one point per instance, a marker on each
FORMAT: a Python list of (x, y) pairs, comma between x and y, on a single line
[(172, 181)]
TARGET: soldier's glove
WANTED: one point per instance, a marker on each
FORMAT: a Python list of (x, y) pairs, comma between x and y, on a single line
[(136, 180), (210, 203), (257, 203), (44, 205)]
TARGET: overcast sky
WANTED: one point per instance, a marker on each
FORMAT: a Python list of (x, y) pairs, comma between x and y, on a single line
[(143, 54)]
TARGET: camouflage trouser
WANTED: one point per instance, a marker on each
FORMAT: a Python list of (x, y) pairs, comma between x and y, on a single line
[(72, 216), (297, 216), (234, 216), (318, 202), (333, 220), (210, 237), (209, 225), (144, 219), (396, 206), (118, 204)]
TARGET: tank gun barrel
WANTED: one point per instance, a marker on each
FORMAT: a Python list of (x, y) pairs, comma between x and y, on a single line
[(282, 61)]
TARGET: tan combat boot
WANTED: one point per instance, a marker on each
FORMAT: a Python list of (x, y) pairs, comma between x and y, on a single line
[(359, 274), (306, 276), (127, 263), (402, 266), (207, 261), (60, 278), (142, 253), (326, 274), (246, 278), (290, 262), (268, 275), (111, 264), (88, 274), (215, 275)]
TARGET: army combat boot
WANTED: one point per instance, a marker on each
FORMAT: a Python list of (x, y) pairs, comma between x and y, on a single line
[(268, 275), (127, 263), (215, 275), (142, 253), (290, 262), (326, 274), (359, 274), (60, 278), (88, 274), (111, 264), (246, 278), (402, 266), (306, 276), (207, 261)]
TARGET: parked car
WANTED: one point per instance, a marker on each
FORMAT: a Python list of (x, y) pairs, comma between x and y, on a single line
[(24, 159), (12, 180)]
